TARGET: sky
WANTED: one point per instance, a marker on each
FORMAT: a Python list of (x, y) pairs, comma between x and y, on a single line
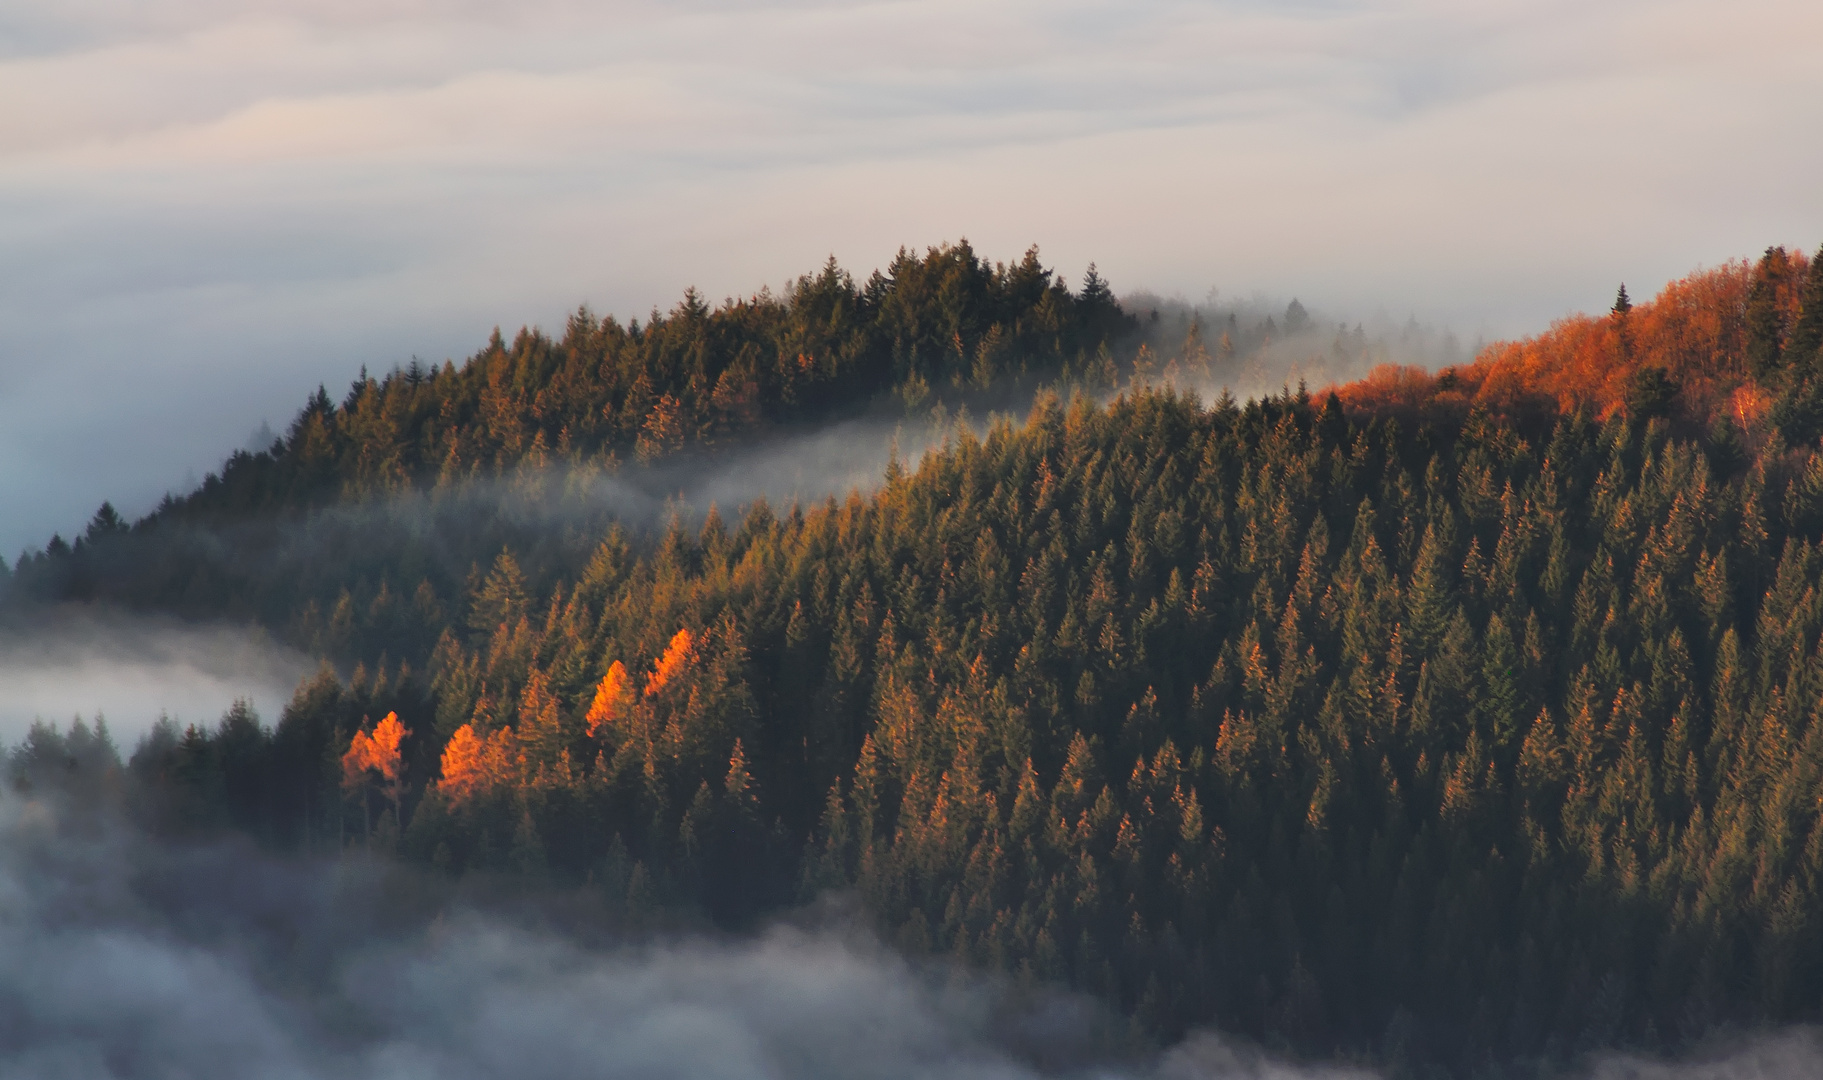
[(209, 207)]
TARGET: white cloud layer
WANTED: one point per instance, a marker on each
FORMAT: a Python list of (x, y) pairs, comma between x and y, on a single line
[(206, 206)]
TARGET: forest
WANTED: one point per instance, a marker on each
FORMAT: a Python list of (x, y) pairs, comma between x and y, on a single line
[(1458, 722)]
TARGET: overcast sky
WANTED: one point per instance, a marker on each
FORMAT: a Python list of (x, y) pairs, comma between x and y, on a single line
[(207, 207)]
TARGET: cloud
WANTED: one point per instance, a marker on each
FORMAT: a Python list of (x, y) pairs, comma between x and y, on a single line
[(552, 518), (210, 206)]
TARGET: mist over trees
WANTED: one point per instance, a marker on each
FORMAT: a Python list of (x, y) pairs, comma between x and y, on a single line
[(489, 444), (1461, 720)]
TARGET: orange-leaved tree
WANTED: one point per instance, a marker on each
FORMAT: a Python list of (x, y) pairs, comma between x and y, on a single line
[(376, 753), (1709, 346), (472, 766), (677, 655), (680, 719), (610, 702)]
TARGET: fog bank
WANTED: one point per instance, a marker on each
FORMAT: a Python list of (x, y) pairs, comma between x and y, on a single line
[(130, 959), (1254, 348), (84, 660), (127, 958)]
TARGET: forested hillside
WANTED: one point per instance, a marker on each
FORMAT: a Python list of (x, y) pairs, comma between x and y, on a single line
[(926, 327), (353, 535), (1737, 343), (1460, 721)]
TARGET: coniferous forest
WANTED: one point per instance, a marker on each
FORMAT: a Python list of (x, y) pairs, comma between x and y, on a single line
[(1457, 721)]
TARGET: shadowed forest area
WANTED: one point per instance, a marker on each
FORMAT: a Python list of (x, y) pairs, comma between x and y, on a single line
[(1456, 722)]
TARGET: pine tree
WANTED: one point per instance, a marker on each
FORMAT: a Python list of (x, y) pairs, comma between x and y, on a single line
[(1621, 315)]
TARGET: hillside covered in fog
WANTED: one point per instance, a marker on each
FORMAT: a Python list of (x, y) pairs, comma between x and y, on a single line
[(1464, 716)]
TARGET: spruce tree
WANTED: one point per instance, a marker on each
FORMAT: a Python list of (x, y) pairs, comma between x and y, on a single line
[(1623, 325), (1297, 320), (1764, 330), (1806, 340)]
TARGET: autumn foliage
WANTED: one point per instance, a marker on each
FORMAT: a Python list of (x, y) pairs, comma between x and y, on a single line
[(677, 654), (1687, 353), (373, 752), (610, 699), (472, 765), (377, 752), (683, 723)]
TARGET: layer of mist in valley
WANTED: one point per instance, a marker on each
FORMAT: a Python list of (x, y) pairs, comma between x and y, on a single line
[(132, 668), (130, 956)]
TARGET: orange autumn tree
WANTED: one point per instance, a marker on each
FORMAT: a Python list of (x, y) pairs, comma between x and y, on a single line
[(610, 702), (634, 727), (677, 655), (472, 766), (685, 714), (641, 738), (376, 752)]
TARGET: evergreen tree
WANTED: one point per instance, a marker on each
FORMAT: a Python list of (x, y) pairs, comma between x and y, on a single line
[(1765, 325), (1806, 340)]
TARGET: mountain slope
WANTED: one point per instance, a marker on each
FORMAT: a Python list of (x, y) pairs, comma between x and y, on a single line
[(1739, 341), (1452, 730)]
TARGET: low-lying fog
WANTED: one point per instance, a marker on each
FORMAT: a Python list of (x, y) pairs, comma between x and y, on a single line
[(131, 668), (128, 958), (83, 660), (1256, 347)]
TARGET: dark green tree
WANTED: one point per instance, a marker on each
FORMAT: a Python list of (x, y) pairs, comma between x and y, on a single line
[(1765, 324), (1806, 339)]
